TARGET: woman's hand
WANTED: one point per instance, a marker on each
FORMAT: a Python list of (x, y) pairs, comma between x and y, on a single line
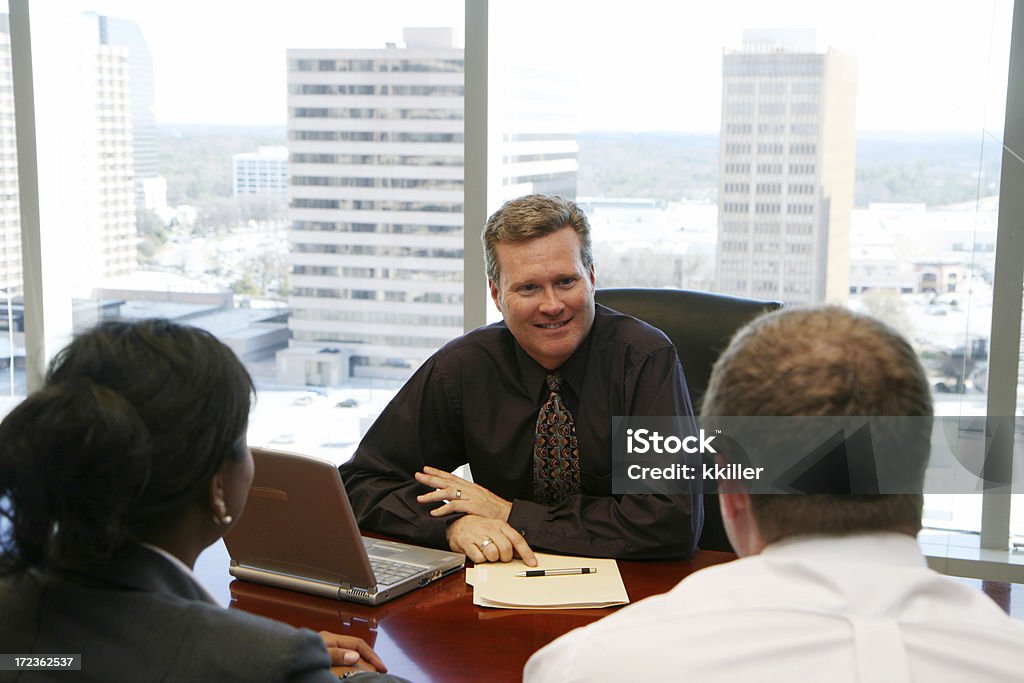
[(350, 650)]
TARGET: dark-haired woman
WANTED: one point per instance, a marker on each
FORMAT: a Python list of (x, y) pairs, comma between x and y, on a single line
[(113, 478)]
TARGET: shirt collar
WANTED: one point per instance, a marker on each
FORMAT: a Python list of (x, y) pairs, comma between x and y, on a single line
[(533, 374), (896, 548)]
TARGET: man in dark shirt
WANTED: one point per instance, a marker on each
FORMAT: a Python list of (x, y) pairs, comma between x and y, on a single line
[(528, 403)]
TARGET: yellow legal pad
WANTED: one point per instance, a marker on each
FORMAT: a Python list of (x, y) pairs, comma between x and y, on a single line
[(496, 584)]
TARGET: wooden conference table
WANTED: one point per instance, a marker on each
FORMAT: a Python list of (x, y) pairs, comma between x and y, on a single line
[(436, 633)]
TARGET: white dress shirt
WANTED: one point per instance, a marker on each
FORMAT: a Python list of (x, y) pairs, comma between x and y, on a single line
[(813, 608)]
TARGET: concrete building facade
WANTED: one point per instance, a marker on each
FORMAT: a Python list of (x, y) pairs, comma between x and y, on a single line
[(10, 217), (786, 169), (262, 172), (110, 240), (105, 241), (126, 34), (375, 141)]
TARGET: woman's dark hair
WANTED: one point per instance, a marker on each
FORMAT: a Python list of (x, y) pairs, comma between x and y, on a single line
[(133, 421)]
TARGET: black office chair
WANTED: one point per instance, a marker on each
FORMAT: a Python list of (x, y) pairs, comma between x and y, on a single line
[(700, 325)]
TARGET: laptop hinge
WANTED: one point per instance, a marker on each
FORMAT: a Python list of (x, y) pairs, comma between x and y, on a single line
[(279, 580)]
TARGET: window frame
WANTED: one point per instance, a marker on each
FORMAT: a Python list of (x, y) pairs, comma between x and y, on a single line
[(48, 302)]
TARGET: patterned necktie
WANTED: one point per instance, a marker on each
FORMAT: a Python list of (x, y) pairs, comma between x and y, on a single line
[(556, 453)]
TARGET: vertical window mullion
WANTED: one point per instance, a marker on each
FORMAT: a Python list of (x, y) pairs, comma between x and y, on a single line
[(476, 166), (49, 174), (1004, 360)]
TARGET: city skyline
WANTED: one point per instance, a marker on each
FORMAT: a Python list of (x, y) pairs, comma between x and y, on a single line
[(911, 78), (643, 75)]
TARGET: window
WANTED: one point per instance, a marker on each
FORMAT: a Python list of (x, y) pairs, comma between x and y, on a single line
[(795, 94), (576, 119), (365, 261)]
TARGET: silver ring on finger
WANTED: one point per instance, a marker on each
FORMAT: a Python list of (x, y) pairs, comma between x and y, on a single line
[(486, 542)]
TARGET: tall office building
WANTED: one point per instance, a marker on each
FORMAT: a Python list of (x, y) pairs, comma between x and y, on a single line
[(10, 217), (125, 33), (105, 242), (375, 139), (786, 169), (110, 238)]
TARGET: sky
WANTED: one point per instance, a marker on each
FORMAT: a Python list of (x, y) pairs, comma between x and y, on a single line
[(640, 65)]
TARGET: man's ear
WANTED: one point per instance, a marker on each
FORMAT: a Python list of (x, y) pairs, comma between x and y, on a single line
[(735, 502), (738, 519), (492, 285), (593, 276)]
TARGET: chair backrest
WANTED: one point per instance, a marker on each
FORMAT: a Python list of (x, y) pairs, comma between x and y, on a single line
[(700, 325)]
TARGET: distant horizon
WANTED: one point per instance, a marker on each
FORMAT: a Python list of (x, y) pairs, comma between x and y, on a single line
[(885, 132)]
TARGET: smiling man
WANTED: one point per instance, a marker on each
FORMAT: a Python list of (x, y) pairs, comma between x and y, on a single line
[(528, 403)]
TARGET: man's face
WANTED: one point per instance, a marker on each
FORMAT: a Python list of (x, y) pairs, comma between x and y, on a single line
[(545, 295)]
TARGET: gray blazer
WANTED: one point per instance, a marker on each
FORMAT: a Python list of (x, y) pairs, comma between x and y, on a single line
[(142, 619)]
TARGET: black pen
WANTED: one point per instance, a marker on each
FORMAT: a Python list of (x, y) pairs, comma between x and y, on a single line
[(558, 572)]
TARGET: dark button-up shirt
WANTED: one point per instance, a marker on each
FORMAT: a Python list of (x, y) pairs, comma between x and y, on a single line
[(476, 400)]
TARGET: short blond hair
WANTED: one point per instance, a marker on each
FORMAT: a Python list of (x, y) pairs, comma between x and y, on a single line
[(529, 217)]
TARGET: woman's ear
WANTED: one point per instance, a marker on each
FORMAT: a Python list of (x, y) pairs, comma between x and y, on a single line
[(218, 504)]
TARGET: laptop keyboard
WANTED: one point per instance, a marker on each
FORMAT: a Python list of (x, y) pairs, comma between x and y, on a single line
[(387, 572)]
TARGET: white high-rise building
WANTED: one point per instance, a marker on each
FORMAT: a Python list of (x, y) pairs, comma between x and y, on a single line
[(375, 138), (10, 217), (786, 169), (262, 172), (110, 245), (126, 33), (104, 243)]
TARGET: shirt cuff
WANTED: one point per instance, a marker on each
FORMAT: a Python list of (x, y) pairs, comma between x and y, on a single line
[(434, 531), (527, 517)]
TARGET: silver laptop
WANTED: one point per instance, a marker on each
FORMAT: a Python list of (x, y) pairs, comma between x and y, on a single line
[(298, 532)]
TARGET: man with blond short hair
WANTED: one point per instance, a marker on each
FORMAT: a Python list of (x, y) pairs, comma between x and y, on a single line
[(829, 587)]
